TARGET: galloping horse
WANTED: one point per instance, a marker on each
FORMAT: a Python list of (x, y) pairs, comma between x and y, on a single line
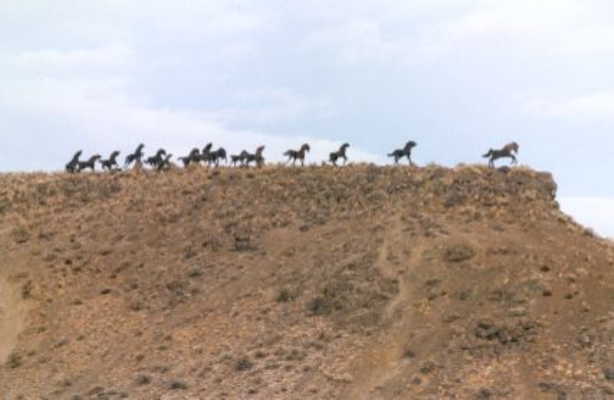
[(299, 154), (111, 162), (333, 157), (91, 163), (74, 162), (507, 151), (256, 157), (404, 152), (156, 161), (135, 157)]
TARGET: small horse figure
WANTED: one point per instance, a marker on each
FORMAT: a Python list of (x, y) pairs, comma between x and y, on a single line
[(157, 159), (71, 167), (135, 157), (216, 156), (194, 156), (205, 155), (165, 163), (237, 158), (111, 162), (256, 157), (507, 151), (91, 163), (243, 157), (299, 154), (404, 152), (339, 154)]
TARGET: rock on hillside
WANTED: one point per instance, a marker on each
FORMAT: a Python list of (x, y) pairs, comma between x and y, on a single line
[(287, 283)]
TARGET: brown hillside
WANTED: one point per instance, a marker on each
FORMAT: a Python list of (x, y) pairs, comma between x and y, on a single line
[(286, 283)]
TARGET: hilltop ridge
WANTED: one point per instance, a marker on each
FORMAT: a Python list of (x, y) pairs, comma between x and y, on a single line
[(361, 282)]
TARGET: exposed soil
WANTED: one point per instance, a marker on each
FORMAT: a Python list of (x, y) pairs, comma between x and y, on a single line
[(12, 316), (350, 283)]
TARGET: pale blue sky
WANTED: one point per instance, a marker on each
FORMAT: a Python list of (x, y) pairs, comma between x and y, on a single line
[(457, 76)]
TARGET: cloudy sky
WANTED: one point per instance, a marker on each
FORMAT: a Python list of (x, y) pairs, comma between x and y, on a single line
[(457, 76)]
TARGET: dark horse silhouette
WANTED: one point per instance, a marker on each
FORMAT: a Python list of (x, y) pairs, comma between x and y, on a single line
[(135, 157), (156, 160), (71, 167), (404, 152), (214, 157), (256, 157), (91, 163), (507, 151), (238, 158), (333, 157), (294, 155), (111, 162), (194, 156), (205, 155), (165, 163)]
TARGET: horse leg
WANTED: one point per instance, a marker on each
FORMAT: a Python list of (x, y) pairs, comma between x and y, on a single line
[(514, 161)]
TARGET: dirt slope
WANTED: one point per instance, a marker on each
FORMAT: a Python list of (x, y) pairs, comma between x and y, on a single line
[(286, 283)]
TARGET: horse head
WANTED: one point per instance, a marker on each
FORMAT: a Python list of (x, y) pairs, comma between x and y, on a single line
[(411, 144)]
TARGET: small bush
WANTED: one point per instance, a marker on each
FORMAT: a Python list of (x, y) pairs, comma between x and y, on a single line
[(143, 380), (5, 206), (20, 234), (244, 364), (319, 306), (195, 272), (178, 385), (409, 354), (14, 361), (26, 290), (458, 253), (285, 295), (335, 296)]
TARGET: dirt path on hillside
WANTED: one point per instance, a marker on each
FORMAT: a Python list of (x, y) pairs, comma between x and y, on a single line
[(12, 318), (384, 360)]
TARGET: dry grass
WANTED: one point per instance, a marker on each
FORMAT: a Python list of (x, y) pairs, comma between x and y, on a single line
[(317, 282)]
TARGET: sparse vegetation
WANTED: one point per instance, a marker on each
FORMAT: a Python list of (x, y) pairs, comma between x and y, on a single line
[(20, 234), (285, 295), (178, 385), (320, 306), (14, 360), (300, 283), (243, 364), (143, 380), (5, 206), (26, 290), (459, 252)]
